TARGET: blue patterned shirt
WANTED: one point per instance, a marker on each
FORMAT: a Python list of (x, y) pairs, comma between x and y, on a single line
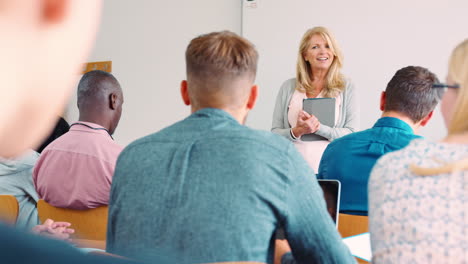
[(350, 159), (208, 189), (415, 218)]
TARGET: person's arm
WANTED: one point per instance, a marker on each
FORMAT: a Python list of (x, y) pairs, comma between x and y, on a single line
[(309, 229), (351, 118), (281, 105)]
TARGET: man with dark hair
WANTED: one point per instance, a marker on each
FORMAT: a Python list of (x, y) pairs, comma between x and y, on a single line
[(75, 171), (213, 190), (407, 104)]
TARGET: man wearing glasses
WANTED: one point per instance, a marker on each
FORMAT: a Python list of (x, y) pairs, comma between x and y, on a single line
[(407, 105)]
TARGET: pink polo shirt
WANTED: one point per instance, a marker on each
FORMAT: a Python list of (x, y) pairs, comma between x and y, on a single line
[(75, 171)]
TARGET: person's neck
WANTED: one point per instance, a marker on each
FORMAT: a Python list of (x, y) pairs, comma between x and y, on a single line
[(94, 119), (239, 115), (319, 75), (404, 118), (318, 81)]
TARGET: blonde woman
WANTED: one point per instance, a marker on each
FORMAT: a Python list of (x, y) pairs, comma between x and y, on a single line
[(317, 75), (418, 196)]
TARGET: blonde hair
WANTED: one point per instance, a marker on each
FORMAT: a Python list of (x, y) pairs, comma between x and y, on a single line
[(458, 73), (335, 82)]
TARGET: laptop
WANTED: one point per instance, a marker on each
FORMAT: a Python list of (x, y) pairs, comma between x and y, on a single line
[(331, 192)]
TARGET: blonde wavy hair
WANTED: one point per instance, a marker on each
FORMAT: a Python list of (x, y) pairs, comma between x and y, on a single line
[(458, 73), (335, 82)]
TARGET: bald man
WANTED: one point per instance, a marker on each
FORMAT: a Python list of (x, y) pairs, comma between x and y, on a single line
[(213, 190), (75, 171)]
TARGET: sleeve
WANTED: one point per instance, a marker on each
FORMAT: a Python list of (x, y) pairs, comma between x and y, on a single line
[(278, 121), (30, 186), (309, 229), (351, 121), (288, 259)]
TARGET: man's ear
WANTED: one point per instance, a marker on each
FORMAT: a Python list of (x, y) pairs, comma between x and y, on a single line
[(383, 98), (426, 119), (184, 92), (112, 101), (53, 11), (252, 97)]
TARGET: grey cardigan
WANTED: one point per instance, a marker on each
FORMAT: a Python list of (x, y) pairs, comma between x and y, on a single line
[(347, 123)]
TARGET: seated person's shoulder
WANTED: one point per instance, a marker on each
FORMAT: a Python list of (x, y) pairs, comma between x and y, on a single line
[(28, 159), (418, 148), (58, 143), (348, 139), (242, 135), (137, 144), (267, 138)]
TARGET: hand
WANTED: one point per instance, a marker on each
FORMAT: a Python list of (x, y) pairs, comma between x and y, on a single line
[(281, 247), (306, 124), (57, 230)]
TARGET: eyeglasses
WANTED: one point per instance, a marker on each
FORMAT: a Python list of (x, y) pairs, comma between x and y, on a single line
[(443, 85)]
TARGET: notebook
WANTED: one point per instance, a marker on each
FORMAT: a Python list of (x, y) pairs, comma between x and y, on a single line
[(324, 110), (360, 246)]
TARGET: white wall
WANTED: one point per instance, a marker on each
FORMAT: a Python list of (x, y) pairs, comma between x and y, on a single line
[(146, 41), (377, 38)]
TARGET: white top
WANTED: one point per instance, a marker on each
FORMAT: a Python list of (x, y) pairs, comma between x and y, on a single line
[(312, 151), (419, 219), (347, 122)]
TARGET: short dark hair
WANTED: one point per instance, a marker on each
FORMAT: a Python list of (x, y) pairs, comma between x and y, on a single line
[(220, 55), (61, 128), (90, 85), (410, 92)]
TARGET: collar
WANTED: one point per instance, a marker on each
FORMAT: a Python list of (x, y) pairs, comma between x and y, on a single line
[(213, 113), (394, 123), (89, 127)]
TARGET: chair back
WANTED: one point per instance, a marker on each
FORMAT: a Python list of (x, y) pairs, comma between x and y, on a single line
[(8, 209), (88, 224), (350, 225)]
